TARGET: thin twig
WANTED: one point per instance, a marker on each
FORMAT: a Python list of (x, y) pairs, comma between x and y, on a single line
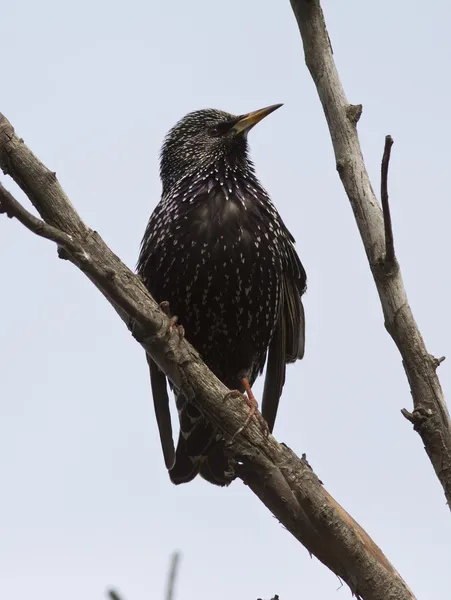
[(12, 208), (389, 243), (114, 595), (172, 575)]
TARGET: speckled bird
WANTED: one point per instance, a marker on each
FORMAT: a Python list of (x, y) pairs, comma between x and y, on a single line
[(218, 252)]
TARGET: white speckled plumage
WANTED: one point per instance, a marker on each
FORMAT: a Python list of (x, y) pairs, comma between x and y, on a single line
[(217, 250)]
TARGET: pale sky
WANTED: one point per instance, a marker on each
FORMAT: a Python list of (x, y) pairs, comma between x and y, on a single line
[(92, 87)]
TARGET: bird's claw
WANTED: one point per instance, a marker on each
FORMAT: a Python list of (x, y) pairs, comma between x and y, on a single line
[(253, 406), (172, 320), (234, 394), (165, 307), (181, 331)]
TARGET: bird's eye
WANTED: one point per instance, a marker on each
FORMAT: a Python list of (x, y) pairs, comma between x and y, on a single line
[(220, 128)]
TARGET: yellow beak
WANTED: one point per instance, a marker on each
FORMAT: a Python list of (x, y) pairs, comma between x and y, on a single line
[(246, 122)]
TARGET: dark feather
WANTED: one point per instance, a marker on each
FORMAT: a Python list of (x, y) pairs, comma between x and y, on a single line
[(275, 374), (186, 467), (162, 412), (198, 448), (287, 344), (293, 315), (216, 466)]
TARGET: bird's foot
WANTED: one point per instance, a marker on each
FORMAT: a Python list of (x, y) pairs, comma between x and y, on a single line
[(234, 394), (165, 307), (250, 400), (172, 319)]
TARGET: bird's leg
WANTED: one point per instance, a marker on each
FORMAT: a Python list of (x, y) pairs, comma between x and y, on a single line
[(251, 401), (172, 319), (250, 395), (253, 404)]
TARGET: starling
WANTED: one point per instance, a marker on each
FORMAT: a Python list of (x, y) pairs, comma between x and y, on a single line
[(217, 252)]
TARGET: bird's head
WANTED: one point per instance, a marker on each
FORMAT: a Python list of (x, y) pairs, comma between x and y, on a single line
[(206, 137)]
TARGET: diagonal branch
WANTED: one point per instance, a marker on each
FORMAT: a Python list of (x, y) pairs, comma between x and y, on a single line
[(430, 415), (284, 482)]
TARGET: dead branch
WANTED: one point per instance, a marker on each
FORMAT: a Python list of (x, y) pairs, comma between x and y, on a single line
[(12, 208), (389, 242), (284, 482), (430, 415), (172, 575)]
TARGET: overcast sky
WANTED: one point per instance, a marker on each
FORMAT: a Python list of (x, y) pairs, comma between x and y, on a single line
[(92, 87)]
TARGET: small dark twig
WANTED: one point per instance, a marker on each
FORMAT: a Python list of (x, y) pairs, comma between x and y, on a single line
[(114, 595), (389, 244), (172, 576)]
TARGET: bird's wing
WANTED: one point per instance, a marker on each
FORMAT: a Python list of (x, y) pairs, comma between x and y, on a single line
[(275, 374), (161, 405), (288, 342), (294, 319)]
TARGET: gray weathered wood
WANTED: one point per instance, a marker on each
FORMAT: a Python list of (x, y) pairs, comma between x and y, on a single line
[(430, 416)]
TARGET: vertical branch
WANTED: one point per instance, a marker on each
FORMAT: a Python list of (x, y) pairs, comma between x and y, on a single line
[(172, 575), (172, 578), (430, 416), (389, 243)]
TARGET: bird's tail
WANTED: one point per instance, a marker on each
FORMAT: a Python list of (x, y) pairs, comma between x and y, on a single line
[(200, 450), (217, 467)]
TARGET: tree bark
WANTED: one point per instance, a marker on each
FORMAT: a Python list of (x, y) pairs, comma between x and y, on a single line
[(430, 416), (285, 483)]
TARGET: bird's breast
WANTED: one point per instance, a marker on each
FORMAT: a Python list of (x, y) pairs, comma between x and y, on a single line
[(219, 265)]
